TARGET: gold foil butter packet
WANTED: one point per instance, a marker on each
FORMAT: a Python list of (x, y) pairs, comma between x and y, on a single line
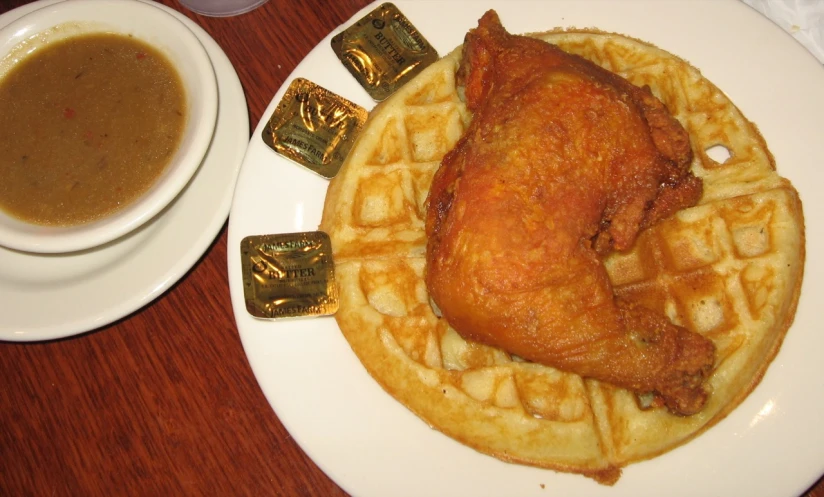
[(289, 275), (314, 127), (383, 51)]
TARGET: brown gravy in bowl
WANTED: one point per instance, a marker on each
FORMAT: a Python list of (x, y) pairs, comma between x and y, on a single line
[(88, 124)]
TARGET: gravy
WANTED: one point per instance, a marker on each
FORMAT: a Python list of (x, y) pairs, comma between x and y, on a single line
[(87, 125)]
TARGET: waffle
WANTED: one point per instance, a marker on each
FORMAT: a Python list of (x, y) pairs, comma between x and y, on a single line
[(729, 268)]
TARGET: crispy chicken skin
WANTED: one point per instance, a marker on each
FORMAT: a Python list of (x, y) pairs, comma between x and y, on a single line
[(562, 163)]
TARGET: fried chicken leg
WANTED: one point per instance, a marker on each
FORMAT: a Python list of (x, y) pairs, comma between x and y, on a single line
[(562, 163)]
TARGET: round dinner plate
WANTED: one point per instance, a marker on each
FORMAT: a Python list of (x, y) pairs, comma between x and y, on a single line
[(771, 445), (44, 297)]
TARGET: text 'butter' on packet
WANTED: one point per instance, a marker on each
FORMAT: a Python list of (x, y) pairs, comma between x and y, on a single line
[(383, 51), (314, 127), (289, 275)]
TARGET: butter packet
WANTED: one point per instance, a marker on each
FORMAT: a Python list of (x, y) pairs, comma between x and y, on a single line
[(289, 275), (383, 51), (314, 127)]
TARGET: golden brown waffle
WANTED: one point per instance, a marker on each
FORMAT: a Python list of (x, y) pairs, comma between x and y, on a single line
[(729, 268)]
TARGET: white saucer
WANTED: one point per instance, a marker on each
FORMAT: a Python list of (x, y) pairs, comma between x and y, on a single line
[(44, 297)]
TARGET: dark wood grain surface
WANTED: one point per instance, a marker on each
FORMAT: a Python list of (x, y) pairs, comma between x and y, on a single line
[(163, 402)]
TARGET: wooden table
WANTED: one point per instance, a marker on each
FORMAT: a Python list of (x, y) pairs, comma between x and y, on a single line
[(163, 402)]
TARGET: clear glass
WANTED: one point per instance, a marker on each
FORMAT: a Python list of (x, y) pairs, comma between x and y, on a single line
[(221, 8)]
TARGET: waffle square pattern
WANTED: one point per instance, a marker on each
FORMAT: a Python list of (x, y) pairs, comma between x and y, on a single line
[(729, 268)]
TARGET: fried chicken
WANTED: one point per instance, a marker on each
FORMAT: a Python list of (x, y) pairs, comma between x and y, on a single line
[(562, 163)]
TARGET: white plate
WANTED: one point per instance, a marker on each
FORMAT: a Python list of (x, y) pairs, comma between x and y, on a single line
[(44, 297), (772, 445)]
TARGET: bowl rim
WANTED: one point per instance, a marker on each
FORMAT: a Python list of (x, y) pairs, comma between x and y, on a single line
[(92, 16)]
